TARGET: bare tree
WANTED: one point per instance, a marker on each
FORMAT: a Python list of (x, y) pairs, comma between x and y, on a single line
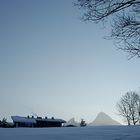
[(125, 20), (124, 111), (129, 107)]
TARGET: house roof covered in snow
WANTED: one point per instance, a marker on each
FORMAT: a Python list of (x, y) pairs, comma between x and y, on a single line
[(23, 119), (33, 120)]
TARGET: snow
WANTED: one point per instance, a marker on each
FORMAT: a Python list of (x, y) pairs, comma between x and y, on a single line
[(74, 133), (72, 122), (33, 120), (23, 119)]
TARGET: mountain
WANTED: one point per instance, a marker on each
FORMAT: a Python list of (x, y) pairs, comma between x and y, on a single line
[(72, 122), (104, 119)]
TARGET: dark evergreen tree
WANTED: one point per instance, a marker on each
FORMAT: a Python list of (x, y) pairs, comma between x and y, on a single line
[(82, 123)]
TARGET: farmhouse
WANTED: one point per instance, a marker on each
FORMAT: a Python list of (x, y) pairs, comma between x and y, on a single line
[(36, 122)]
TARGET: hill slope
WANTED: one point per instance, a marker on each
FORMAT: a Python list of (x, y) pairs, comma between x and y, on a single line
[(72, 122)]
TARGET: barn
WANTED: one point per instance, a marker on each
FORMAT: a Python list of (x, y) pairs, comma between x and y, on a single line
[(36, 122)]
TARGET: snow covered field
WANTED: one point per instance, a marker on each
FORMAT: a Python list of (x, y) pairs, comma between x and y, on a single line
[(75, 133)]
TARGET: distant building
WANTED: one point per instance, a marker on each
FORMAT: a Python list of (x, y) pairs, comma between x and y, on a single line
[(36, 122)]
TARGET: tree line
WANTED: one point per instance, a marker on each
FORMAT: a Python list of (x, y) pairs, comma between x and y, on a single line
[(129, 107), (4, 123)]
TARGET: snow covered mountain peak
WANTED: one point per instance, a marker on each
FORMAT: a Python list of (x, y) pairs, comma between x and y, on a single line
[(104, 119)]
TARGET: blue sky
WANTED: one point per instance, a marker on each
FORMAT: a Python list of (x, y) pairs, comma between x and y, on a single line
[(54, 64)]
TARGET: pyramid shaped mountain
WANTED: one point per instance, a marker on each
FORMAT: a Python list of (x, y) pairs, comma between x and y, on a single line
[(104, 119)]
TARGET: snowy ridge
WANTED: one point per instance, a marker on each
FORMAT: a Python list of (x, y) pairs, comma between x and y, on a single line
[(72, 122)]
